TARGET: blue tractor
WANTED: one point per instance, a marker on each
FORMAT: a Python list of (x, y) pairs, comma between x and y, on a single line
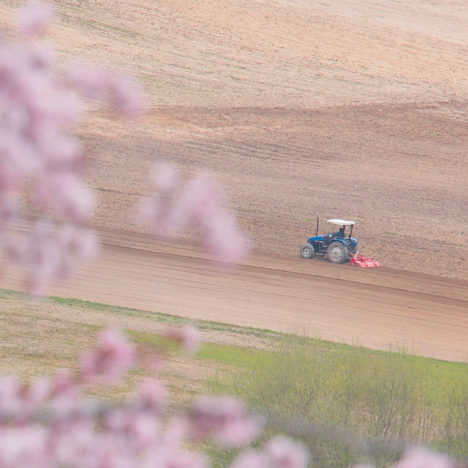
[(339, 246)]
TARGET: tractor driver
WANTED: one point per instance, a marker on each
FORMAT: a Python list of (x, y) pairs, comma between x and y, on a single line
[(340, 233)]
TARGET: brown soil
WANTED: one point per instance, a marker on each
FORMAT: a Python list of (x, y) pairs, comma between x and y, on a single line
[(337, 109), (399, 170), (380, 308)]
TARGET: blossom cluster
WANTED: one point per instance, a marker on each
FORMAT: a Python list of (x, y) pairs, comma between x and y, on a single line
[(41, 163), (199, 202), (52, 422)]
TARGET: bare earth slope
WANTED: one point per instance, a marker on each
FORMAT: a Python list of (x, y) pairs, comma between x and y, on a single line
[(343, 108), (400, 171)]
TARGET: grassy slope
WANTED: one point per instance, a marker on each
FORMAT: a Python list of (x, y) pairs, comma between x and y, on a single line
[(38, 337), (58, 328)]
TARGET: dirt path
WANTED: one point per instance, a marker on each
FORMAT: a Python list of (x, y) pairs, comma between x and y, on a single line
[(380, 308)]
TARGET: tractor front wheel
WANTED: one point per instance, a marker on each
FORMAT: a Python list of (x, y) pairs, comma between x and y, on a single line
[(337, 252), (307, 251)]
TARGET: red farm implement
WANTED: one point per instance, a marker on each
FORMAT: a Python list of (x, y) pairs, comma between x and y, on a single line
[(364, 262)]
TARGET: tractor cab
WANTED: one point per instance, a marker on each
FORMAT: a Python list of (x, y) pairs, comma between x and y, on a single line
[(345, 228), (337, 245)]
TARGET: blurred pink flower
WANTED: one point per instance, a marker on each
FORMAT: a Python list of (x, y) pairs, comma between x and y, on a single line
[(224, 240), (225, 420), (251, 459), (424, 458), (41, 55), (151, 361), (152, 395), (65, 394), (63, 155), (159, 215), (10, 395), (50, 252), (63, 383), (137, 430), (126, 97), (9, 207), (92, 81), (286, 453), (176, 432), (70, 197), (198, 202), (185, 459), (34, 17), (187, 336), (111, 360), (76, 243), (165, 177), (38, 391), (24, 446), (204, 199), (51, 423)]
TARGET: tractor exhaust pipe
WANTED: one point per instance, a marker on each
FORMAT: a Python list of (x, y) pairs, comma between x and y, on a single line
[(316, 228)]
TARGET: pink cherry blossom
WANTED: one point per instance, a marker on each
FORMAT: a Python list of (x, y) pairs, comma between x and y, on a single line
[(204, 199), (35, 394), (225, 420), (63, 383), (138, 430), (176, 432), (251, 459), (92, 81), (23, 446), (126, 97), (152, 395), (166, 178), (286, 453), (185, 459), (224, 240), (187, 336), (280, 452), (197, 202), (423, 458), (66, 193), (34, 17), (9, 207), (76, 243), (10, 398), (111, 360)]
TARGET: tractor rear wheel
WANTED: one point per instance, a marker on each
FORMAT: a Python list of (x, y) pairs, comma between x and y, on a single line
[(307, 251), (337, 252)]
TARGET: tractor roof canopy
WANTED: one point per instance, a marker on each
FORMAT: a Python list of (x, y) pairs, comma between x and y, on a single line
[(341, 222)]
